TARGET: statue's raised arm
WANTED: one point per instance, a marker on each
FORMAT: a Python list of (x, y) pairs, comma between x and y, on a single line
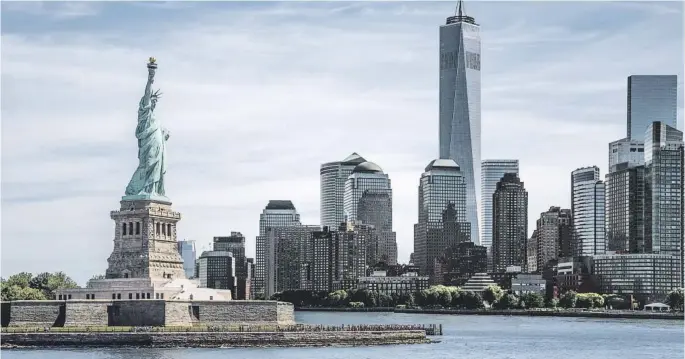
[(151, 69)]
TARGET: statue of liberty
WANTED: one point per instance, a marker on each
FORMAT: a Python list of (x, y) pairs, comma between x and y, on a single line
[(148, 180)]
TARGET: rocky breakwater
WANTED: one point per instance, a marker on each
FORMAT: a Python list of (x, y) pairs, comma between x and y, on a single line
[(213, 339)]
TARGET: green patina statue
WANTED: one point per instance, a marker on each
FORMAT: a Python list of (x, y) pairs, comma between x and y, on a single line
[(148, 180)]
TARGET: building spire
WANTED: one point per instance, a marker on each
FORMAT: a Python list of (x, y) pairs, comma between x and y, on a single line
[(460, 15)]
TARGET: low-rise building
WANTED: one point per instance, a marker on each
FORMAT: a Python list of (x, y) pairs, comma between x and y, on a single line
[(406, 283), (645, 276), (528, 283)]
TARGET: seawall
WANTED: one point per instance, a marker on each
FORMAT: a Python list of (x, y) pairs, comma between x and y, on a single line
[(213, 339), (615, 314)]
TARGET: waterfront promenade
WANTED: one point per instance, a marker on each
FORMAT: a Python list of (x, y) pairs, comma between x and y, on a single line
[(576, 313)]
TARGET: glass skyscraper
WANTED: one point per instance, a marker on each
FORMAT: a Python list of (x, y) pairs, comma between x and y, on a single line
[(664, 189), (492, 172), (460, 103), (333, 178), (277, 213), (588, 207), (442, 213), (651, 98), (187, 251), (510, 224)]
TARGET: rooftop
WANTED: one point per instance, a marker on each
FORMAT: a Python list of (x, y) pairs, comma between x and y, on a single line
[(442, 164), (367, 167), (280, 204), (354, 158)]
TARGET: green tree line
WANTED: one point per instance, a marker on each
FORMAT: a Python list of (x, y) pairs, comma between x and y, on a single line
[(454, 297), (26, 286)]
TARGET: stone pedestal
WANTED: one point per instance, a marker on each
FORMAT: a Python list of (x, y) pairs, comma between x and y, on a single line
[(145, 244)]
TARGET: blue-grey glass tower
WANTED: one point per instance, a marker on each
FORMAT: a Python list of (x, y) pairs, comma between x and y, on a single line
[(651, 98), (460, 104)]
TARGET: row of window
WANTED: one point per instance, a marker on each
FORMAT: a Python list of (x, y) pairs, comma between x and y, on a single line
[(128, 228), (116, 296)]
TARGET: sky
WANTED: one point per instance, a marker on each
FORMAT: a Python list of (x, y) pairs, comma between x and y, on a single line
[(258, 95)]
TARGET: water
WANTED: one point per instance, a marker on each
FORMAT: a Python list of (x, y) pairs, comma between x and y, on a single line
[(465, 337)]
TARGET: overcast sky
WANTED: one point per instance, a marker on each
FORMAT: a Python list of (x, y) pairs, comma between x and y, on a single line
[(257, 96)]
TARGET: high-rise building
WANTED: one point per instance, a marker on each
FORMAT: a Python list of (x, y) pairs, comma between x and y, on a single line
[(588, 211), (460, 103), (322, 266), (442, 218), (285, 251), (664, 189), (651, 98), (552, 237), (216, 269), (277, 213), (492, 172), (368, 200), (509, 223), (625, 197), (333, 178), (235, 243), (459, 262), (187, 251)]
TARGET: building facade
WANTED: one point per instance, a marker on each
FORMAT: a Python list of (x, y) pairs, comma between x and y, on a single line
[(217, 270), (333, 178), (509, 223), (442, 216), (235, 243), (588, 211), (643, 275), (552, 237), (277, 213), (186, 249), (651, 98), (407, 283), (321, 266), (368, 200), (492, 172), (459, 102), (625, 197), (285, 251), (459, 262)]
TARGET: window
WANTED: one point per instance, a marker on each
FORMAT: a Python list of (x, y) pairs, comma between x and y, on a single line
[(60, 297), (69, 296), (156, 295), (211, 297), (114, 296), (148, 296), (87, 296), (157, 229), (168, 229), (161, 295), (123, 229), (137, 295), (125, 275), (92, 296), (137, 227), (191, 297), (130, 228), (118, 295), (130, 295)]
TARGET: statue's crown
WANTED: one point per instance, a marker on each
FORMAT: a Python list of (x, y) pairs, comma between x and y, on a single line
[(152, 60)]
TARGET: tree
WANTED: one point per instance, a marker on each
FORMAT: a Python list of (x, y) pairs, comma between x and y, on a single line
[(492, 294), (95, 277), (532, 300), (568, 300), (552, 303), (508, 301), (675, 299)]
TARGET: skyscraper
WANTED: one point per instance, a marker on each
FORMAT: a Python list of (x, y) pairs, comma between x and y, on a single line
[(625, 197), (552, 237), (276, 214), (651, 98), (460, 103), (187, 251), (492, 172), (285, 252), (235, 243), (664, 189), (333, 178), (509, 224), (588, 207), (368, 197), (442, 218)]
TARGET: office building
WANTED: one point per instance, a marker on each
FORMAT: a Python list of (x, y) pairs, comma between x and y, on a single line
[(404, 284), (321, 267), (651, 98), (235, 243), (509, 224), (625, 197), (333, 178), (216, 269), (528, 283), (459, 262), (644, 275), (356, 240), (588, 211), (664, 189), (368, 200), (492, 172), (459, 103), (442, 216), (277, 213), (285, 248), (187, 251), (551, 239)]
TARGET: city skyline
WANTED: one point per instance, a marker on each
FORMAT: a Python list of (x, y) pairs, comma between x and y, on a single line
[(222, 182)]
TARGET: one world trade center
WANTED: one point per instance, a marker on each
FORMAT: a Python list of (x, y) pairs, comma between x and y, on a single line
[(460, 103)]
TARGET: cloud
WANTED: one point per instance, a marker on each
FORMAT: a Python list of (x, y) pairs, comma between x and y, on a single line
[(58, 10), (257, 96)]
